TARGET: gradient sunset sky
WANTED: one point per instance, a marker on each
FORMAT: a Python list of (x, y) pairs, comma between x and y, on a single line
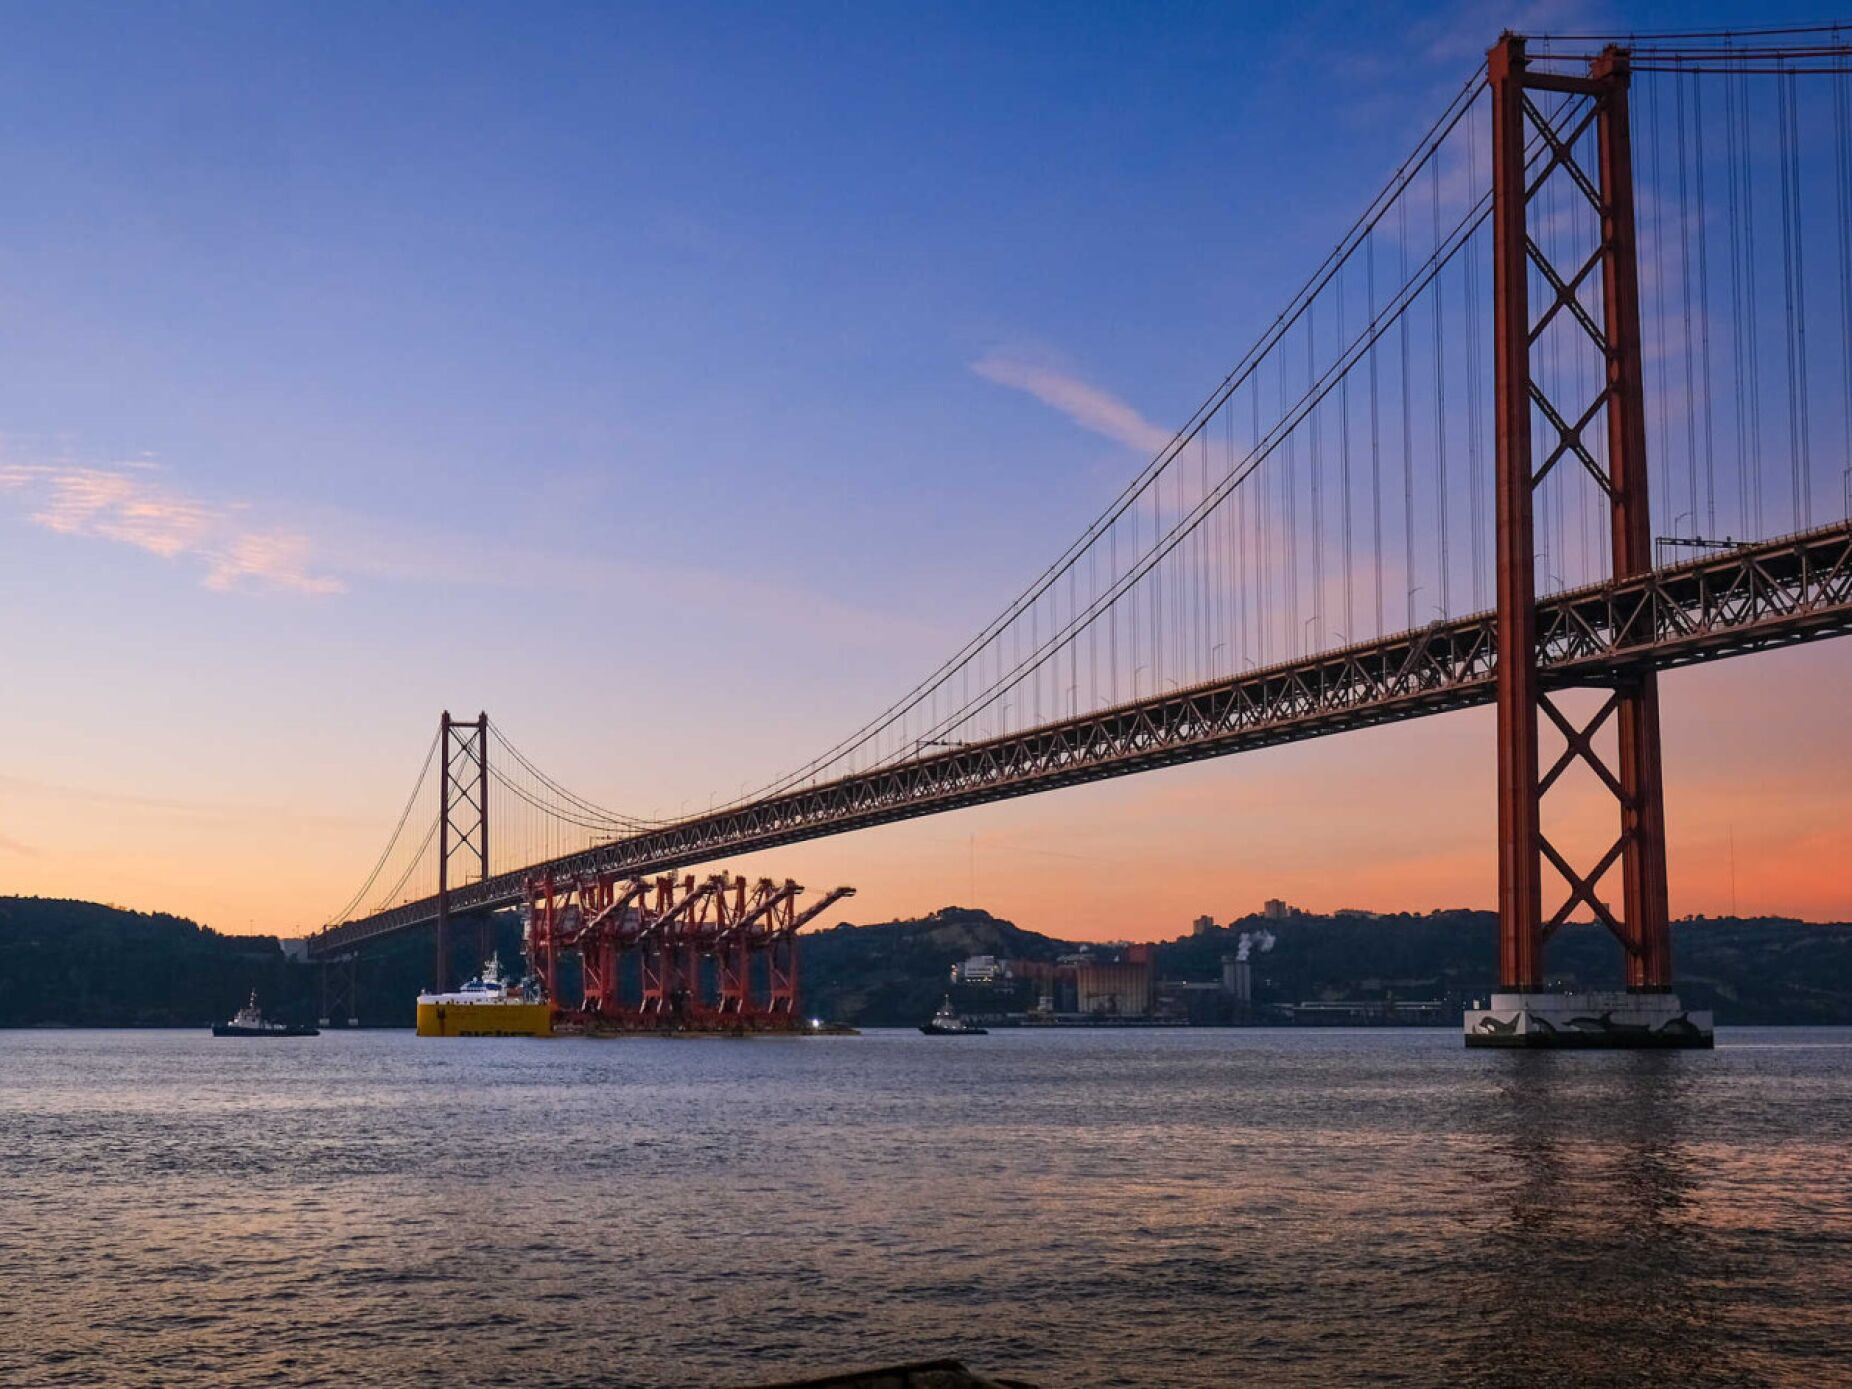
[(680, 383)]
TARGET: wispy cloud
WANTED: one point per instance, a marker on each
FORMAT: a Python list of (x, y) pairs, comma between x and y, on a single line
[(324, 550), (1464, 33), (130, 504), (1087, 405), (33, 791)]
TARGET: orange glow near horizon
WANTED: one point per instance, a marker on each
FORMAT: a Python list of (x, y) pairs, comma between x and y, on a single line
[(1390, 819)]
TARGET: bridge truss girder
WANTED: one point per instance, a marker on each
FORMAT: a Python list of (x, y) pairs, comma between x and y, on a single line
[(1774, 593)]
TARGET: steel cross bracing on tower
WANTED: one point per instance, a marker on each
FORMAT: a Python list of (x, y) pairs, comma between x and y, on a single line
[(462, 818), (1344, 534), (1614, 399)]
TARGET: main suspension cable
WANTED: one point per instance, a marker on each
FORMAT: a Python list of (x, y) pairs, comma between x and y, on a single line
[(346, 912)]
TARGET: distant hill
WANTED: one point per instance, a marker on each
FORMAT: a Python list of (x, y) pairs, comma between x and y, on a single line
[(895, 973), (87, 965), (83, 964), (1767, 970)]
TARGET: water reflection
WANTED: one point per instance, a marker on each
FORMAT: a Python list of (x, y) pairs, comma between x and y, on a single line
[(1077, 1210), (1600, 1272)]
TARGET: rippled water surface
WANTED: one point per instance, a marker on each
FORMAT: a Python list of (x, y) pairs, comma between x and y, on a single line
[(1073, 1208)]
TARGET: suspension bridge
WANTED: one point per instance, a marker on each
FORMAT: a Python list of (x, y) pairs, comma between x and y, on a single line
[(1570, 403)]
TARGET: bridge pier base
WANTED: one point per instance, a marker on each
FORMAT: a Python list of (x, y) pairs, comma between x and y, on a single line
[(1587, 1020), (341, 990)]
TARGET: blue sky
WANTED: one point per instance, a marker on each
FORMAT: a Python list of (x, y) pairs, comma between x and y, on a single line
[(678, 382)]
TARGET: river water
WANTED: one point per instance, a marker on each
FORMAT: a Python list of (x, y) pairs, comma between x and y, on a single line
[(1172, 1208)]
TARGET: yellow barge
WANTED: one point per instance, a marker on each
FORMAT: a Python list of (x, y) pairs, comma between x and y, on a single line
[(484, 1007)]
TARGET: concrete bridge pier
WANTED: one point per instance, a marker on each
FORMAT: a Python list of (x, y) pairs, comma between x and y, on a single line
[(1587, 1020)]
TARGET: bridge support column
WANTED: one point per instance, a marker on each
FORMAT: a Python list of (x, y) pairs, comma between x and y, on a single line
[(1520, 890), (341, 990), (462, 818), (1558, 126), (1648, 937)]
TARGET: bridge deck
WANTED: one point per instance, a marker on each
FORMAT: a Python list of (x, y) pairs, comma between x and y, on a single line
[(1774, 593)]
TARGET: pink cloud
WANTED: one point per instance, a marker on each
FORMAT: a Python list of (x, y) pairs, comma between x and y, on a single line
[(1087, 406), (125, 504)]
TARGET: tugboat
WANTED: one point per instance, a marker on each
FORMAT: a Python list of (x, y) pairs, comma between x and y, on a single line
[(249, 1021), (947, 1023)]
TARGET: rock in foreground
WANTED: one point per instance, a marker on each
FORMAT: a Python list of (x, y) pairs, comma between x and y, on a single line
[(923, 1374)]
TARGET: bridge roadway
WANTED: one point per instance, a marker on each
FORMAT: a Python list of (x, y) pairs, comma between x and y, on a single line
[(1727, 603)]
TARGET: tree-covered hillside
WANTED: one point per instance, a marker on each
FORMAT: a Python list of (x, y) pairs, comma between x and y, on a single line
[(86, 965), (1769, 970), (895, 973), (82, 964)]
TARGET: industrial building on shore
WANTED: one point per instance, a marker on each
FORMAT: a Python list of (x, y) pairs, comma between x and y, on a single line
[(1117, 984)]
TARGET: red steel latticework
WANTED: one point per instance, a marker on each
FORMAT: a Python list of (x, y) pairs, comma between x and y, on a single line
[(1632, 696), (671, 952)]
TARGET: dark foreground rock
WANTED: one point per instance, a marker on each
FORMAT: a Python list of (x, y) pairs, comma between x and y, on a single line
[(923, 1374)]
